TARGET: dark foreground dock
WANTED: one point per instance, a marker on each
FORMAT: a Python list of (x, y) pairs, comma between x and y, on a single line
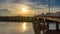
[(45, 25)]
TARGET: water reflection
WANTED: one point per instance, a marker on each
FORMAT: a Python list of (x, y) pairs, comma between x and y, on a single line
[(23, 27), (16, 28)]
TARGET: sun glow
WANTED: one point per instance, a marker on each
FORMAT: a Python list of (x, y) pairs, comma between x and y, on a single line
[(24, 9)]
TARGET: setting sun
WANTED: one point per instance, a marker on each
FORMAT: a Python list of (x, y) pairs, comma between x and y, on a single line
[(24, 9)]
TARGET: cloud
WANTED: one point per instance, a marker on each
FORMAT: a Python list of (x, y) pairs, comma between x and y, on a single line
[(6, 12), (39, 6), (38, 2), (54, 9), (5, 2), (33, 6)]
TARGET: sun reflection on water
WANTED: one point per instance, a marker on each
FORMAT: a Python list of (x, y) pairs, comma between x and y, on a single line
[(23, 27)]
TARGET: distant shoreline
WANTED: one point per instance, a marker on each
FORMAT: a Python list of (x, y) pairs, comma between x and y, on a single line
[(15, 19)]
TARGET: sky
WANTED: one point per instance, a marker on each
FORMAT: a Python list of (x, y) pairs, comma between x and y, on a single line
[(13, 7)]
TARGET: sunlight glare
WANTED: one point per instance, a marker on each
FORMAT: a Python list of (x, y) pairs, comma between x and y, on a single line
[(24, 9), (24, 26)]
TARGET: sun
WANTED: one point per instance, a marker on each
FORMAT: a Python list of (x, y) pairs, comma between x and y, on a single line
[(24, 9)]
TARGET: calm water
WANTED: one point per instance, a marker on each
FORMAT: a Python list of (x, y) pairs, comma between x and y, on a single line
[(16, 28)]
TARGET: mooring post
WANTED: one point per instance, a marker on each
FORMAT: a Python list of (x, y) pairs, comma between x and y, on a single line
[(36, 26)]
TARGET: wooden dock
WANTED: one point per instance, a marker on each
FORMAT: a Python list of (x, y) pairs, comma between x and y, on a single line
[(42, 25)]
